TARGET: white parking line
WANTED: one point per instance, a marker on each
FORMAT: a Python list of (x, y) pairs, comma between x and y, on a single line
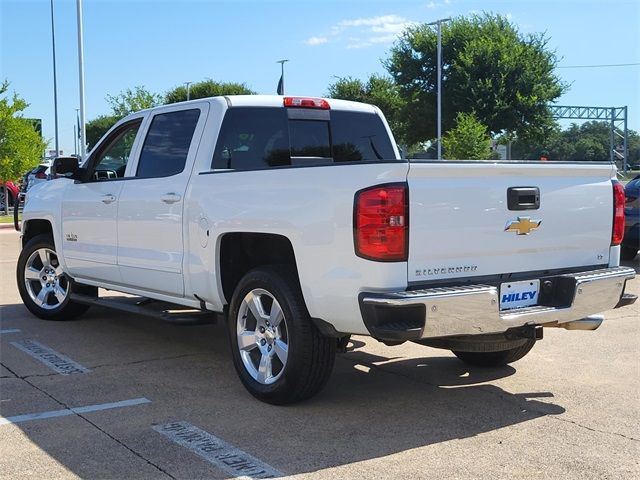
[(9, 330), (216, 451), (72, 411), (52, 359)]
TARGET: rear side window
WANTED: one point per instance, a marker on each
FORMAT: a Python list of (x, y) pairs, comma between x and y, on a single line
[(255, 138), (166, 147)]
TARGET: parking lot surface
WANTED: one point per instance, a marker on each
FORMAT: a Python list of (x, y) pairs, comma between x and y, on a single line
[(114, 395)]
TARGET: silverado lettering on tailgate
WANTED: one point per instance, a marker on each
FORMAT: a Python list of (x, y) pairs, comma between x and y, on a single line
[(427, 272)]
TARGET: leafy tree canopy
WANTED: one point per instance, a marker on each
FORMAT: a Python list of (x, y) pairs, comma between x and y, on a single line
[(21, 147), (139, 98), (132, 100), (589, 141), (489, 68), (97, 127), (469, 139), (206, 88), (122, 104)]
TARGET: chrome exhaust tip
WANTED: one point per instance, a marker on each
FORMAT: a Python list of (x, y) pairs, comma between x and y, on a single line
[(592, 322)]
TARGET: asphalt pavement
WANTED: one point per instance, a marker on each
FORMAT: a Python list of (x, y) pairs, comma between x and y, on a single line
[(115, 395)]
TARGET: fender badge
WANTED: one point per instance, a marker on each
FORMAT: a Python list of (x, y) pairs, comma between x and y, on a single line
[(522, 226)]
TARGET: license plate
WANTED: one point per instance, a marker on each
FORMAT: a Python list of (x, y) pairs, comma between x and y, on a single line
[(519, 294)]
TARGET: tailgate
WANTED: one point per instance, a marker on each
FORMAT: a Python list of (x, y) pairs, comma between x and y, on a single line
[(459, 218)]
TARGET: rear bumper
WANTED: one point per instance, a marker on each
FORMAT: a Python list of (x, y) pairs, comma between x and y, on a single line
[(474, 309)]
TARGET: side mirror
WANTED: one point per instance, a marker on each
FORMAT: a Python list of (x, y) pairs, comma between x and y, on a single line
[(65, 167)]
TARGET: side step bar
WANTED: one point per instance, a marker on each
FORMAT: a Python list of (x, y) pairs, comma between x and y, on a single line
[(167, 312)]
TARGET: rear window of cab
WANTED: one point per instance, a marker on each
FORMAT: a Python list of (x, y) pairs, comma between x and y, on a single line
[(258, 138)]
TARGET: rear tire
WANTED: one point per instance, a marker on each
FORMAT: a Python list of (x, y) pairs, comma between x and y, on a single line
[(628, 253), (278, 353), (495, 359), (46, 290)]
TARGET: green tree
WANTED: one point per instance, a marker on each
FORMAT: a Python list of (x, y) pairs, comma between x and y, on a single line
[(206, 88), (469, 139), (97, 127), (122, 104), (377, 90), (489, 68), (132, 100), (21, 147), (589, 141)]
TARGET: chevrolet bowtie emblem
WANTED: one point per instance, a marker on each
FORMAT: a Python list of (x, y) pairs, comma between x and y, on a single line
[(522, 226)]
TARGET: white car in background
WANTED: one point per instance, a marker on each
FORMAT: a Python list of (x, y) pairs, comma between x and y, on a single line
[(39, 174)]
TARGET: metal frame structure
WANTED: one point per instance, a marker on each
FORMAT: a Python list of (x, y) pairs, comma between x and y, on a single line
[(617, 118)]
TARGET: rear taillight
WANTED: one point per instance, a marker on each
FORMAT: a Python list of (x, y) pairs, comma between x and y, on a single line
[(41, 175), (381, 216), (306, 102), (618, 213)]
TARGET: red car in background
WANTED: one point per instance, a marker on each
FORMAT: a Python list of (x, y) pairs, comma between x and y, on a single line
[(13, 194)]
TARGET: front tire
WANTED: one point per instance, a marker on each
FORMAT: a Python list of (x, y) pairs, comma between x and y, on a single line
[(495, 359), (44, 288), (278, 353)]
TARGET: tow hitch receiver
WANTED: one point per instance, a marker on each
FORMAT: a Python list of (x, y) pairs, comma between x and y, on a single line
[(531, 332)]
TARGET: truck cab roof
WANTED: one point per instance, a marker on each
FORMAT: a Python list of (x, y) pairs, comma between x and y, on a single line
[(277, 101)]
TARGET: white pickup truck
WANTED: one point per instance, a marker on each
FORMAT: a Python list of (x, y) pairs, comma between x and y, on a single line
[(297, 219)]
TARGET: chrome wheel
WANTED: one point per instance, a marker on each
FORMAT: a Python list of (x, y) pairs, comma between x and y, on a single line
[(46, 285), (262, 336)]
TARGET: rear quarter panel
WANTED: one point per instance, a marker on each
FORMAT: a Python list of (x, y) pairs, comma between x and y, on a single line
[(313, 208)]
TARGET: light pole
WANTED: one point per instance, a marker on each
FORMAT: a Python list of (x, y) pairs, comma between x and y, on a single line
[(281, 82), (188, 84), (55, 83), (76, 132), (439, 23), (83, 131)]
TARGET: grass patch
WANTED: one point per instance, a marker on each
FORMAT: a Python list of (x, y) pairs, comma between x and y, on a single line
[(8, 218)]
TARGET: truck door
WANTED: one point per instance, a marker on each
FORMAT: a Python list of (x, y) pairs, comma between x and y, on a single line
[(89, 208), (150, 211)]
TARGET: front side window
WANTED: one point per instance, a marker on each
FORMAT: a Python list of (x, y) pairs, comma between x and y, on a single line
[(166, 147), (112, 160)]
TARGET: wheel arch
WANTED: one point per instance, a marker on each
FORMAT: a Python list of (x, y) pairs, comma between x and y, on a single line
[(35, 227), (241, 252)]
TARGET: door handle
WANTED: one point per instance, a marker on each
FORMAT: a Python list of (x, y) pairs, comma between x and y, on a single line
[(108, 198), (523, 198), (170, 198)]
